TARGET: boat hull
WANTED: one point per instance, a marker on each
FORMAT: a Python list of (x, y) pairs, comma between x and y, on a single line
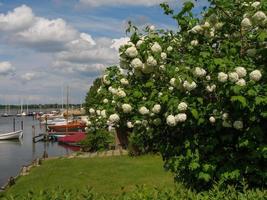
[(71, 127), (11, 135)]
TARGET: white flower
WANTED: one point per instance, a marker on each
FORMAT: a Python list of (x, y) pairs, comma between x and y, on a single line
[(137, 63), (208, 78), (143, 110), (199, 72), (124, 81), (92, 111), (162, 67), (144, 122), (211, 88), (256, 4), (137, 122), (219, 25), (151, 61), (246, 23), (112, 90), (105, 101), (255, 75), (182, 106), (156, 48), (238, 125), (189, 86), (225, 116), (171, 121), (99, 90), (113, 102), (105, 81), (181, 117), (163, 56), (121, 93), (160, 94), (131, 52), (197, 29), (127, 108), (152, 28), (241, 82), (114, 118), (233, 76), (143, 98), (98, 112), (259, 16), (172, 81), (130, 125), (212, 119), (171, 88), (212, 34), (157, 121), (169, 48), (206, 25), (139, 43), (241, 71), (103, 113), (222, 77), (88, 123), (194, 42), (156, 109)]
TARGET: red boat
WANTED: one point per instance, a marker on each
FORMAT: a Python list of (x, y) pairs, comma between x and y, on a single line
[(70, 127), (74, 139)]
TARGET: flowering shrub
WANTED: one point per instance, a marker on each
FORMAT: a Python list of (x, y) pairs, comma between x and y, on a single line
[(199, 96)]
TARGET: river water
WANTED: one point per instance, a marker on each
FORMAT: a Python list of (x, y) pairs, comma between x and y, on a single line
[(15, 154)]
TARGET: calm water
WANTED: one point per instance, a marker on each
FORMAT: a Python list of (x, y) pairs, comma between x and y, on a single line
[(14, 154)]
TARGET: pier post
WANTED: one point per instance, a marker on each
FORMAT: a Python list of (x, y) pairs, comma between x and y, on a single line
[(21, 123), (14, 124), (33, 131)]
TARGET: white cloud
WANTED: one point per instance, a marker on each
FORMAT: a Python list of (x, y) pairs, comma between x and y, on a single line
[(29, 76), (6, 68), (97, 3), (20, 18)]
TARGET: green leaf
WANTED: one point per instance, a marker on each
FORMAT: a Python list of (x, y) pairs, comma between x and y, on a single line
[(149, 84), (137, 94), (195, 113), (204, 176), (242, 100)]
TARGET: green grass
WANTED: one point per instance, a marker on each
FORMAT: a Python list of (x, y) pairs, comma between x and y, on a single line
[(107, 176)]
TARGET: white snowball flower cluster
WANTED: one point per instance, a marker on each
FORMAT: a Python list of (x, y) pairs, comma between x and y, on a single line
[(127, 108), (131, 52), (181, 117), (143, 110), (259, 17), (206, 25), (103, 113), (137, 63), (152, 28), (151, 61), (222, 77), (130, 125), (197, 29), (139, 43), (98, 112), (219, 25), (171, 121), (241, 82), (156, 48), (208, 78), (246, 23), (171, 88), (105, 81), (120, 93), (112, 90), (233, 76), (256, 4), (92, 111), (99, 90), (225, 116), (255, 75), (172, 82), (124, 81), (194, 42), (212, 119), (169, 49), (182, 106), (114, 118), (238, 125), (163, 56), (211, 88), (189, 86), (241, 71), (156, 109), (200, 72), (162, 67), (105, 101)]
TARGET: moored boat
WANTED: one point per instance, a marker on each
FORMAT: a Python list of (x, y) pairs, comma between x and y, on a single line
[(11, 135), (73, 139), (69, 127)]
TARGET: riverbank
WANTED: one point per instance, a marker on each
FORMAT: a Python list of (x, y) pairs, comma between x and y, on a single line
[(108, 176)]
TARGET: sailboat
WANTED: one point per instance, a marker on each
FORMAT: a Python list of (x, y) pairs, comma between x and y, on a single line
[(22, 113)]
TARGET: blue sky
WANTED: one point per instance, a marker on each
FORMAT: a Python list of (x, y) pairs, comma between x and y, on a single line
[(46, 45)]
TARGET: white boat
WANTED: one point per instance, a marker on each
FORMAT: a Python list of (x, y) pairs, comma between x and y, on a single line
[(11, 135)]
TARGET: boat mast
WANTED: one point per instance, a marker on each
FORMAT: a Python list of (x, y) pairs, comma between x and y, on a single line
[(67, 108)]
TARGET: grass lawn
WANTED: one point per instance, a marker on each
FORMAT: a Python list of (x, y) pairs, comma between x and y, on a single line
[(107, 176)]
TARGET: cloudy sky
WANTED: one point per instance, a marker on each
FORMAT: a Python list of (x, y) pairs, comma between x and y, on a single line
[(47, 45)]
